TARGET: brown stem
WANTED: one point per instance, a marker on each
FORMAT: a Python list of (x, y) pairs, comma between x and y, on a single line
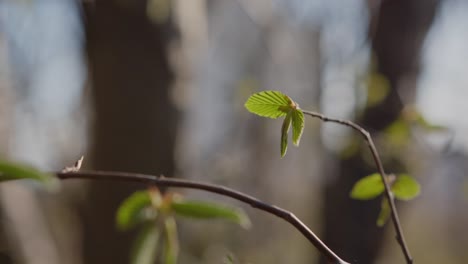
[(180, 183), (395, 219)]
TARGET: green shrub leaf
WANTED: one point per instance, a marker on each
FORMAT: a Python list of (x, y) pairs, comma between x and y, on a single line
[(297, 125), (12, 171), (272, 104), (171, 245), (384, 212), (405, 187), (134, 210), (368, 187), (145, 247), (284, 133), (205, 210)]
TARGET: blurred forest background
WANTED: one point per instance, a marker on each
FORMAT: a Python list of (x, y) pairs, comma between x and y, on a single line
[(158, 86)]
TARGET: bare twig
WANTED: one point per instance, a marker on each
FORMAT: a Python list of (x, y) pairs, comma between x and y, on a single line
[(180, 183), (395, 219)]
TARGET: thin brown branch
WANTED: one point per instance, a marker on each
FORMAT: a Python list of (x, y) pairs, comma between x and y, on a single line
[(395, 219), (180, 183)]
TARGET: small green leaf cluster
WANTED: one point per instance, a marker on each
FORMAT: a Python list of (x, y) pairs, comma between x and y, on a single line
[(403, 187), (155, 213), (274, 104), (12, 171)]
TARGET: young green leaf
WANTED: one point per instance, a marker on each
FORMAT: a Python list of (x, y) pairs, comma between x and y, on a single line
[(12, 171), (171, 247), (398, 133), (412, 115), (368, 187), (134, 210), (405, 187), (228, 259), (205, 210), (145, 247), (284, 133), (430, 126), (297, 125), (384, 212), (378, 88), (272, 104)]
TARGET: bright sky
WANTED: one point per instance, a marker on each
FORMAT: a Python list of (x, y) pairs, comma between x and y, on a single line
[(443, 86), (44, 41), (47, 39)]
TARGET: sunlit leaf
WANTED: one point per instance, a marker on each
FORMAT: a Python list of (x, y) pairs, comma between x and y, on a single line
[(429, 126), (384, 212), (378, 87), (405, 187), (297, 126), (284, 133), (158, 10), (272, 104), (412, 115), (12, 171), (134, 210), (145, 247), (368, 187), (228, 259), (206, 210), (171, 245), (398, 133)]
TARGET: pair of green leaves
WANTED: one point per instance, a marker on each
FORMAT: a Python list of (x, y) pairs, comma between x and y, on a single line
[(145, 208), (274, 104), (403, 188), (145, 247), (13, 171)]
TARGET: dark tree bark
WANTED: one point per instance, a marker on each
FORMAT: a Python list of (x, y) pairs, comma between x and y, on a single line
[(400, 28), (134, 121)]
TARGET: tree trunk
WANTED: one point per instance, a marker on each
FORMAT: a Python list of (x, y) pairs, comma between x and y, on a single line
[(134, 121)]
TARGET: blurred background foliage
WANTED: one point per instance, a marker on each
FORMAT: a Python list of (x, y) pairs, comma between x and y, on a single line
[(158, 86)]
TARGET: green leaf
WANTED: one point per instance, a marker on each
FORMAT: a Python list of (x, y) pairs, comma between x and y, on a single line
[(134, 210), (368, 187), (171, 247), (205, 210), (145, 247), (12, 171), (430, 126), (284, 133), (297, 125), (412, 115), (384, 212), (398, 133), (378, 88), (228, 259), (405, 187), (158, 10), (272, 104)]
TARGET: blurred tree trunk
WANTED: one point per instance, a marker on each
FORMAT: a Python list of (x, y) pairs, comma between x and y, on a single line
[(400, 28), (134, 122)]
